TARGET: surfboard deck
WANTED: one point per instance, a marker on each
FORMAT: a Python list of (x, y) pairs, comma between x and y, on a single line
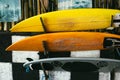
[(69, 20), (75, 64), (67, 41)]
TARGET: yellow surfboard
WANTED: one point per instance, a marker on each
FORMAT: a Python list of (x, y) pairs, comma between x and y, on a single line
[(69, 20), (67, 41)]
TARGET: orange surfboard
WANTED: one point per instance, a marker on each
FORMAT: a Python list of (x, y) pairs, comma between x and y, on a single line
[(67, 41)]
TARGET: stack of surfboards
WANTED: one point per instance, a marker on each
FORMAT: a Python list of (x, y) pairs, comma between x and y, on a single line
[(63, 32)]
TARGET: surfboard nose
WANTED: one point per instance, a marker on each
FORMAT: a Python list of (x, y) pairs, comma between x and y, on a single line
[(111, 43)]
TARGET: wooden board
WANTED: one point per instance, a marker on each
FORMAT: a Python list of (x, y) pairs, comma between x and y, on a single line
[(68, 20), (75, 64), (67, 41)]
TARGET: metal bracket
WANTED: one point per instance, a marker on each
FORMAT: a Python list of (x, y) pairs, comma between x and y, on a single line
[(43, 25), (45, 55), (45, 46), (45, 73), (111, 20), (111, 42), (46, 52)]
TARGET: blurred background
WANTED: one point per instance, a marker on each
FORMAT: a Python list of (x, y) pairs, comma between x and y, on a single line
[(15, 11)]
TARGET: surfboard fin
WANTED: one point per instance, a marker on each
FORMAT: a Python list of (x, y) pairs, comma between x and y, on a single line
[(111, 42), (29, 59), (41, 66), (27, 69)]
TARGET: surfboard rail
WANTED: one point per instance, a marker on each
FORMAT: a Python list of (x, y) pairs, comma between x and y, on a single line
[(102, 64)]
